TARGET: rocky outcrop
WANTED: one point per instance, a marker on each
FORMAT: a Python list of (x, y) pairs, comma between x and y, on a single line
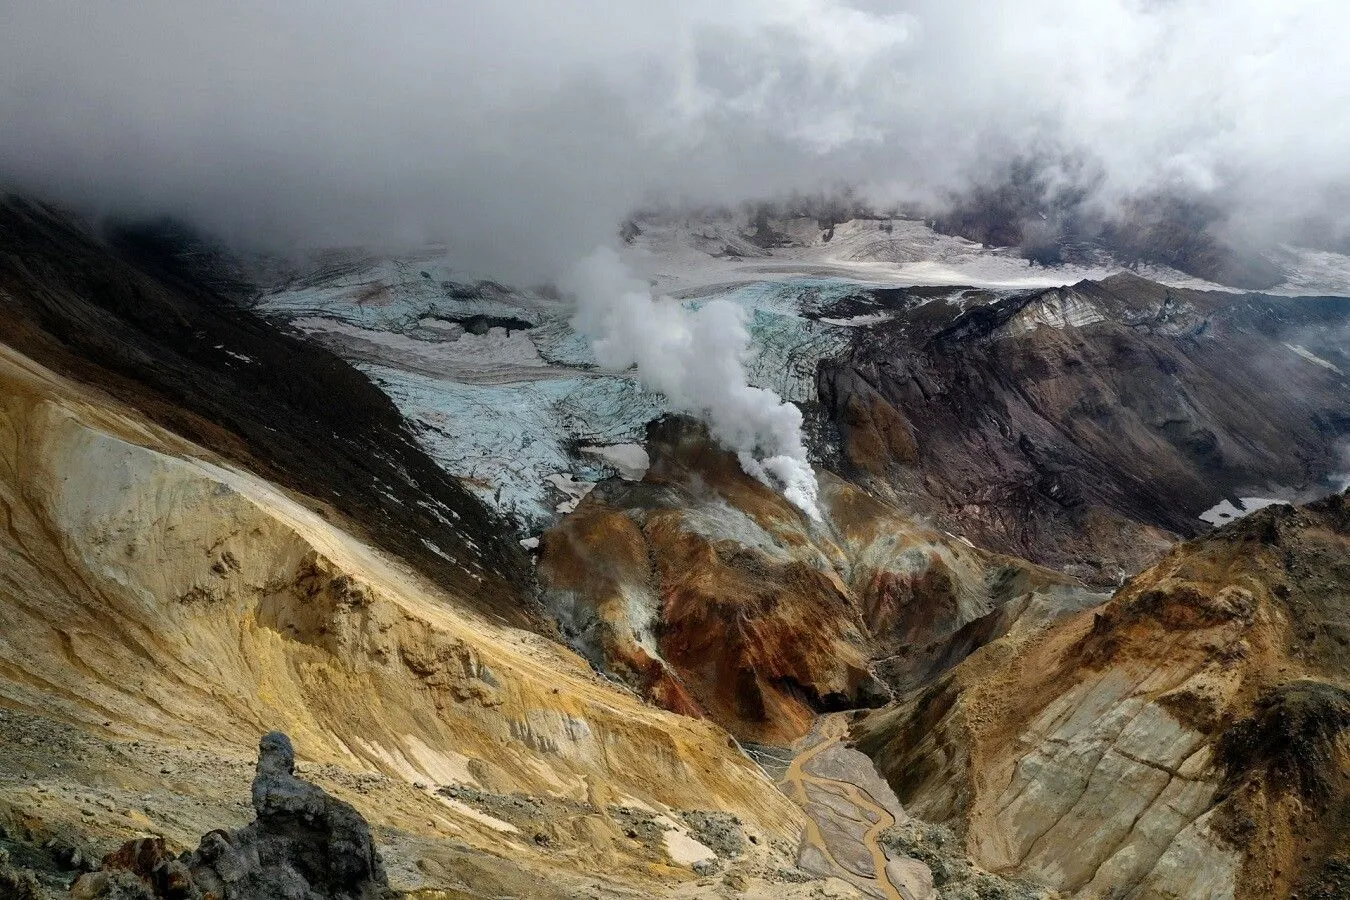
[(713, 596), (1086, 427), (18, 883), (1187, 739), (953, 877), (304, 843)]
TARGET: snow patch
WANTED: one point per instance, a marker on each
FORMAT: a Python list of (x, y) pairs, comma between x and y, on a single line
[(858, 321), (438, 551), (630, 460), (573, 489), (1055, 311), (1225, 511), (481, 818), (1314, 358)]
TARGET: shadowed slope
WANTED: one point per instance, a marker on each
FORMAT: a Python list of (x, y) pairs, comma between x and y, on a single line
[(1083, 427), (189, 357)]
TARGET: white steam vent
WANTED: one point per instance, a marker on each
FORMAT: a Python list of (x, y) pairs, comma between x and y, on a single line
[(697, 359)]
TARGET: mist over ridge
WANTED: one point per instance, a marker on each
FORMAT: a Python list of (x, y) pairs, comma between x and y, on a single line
[(521, 134)]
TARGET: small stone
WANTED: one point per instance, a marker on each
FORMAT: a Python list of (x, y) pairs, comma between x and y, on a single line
[(94, 884)]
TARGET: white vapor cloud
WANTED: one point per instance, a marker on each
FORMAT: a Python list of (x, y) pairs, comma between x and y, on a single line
[(696, 357), (521, 131), (1340, 481)]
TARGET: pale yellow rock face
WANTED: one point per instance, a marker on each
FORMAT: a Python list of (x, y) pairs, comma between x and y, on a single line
[(1185, 739), (1109, 783), (149, 591), (1103, 793)]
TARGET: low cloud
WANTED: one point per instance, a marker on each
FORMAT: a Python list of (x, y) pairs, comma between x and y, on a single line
[(1340, 481), (521, 132)]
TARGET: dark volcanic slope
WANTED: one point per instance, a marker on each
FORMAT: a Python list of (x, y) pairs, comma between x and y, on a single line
[(129, 319), (1040, 423)]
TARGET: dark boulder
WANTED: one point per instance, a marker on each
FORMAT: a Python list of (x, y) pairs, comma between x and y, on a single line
[(303, 845)]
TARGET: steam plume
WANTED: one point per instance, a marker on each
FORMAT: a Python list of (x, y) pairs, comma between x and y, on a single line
[(697, 359), (1341, 480)]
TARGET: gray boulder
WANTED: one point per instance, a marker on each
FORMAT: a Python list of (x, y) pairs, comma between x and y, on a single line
[(303, 845)]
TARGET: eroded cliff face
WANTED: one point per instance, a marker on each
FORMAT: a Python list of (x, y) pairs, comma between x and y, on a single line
[(161, 604), (1189, 739), (1086, 427), (713, 596)]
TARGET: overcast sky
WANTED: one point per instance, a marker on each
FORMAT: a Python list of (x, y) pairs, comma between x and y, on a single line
[(523, 130)]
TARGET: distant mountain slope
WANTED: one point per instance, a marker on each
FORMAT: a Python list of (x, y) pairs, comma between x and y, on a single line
[(687, 253), (1082, 426)]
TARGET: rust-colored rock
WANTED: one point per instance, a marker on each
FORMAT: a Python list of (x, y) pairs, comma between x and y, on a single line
[(709, 593), (876, 435)]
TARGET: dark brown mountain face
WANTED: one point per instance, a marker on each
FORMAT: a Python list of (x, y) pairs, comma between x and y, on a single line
[(134, 317), (1042, 207), (1084, 427)]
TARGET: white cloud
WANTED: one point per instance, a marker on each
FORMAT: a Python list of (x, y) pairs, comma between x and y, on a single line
[(521, 131)]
